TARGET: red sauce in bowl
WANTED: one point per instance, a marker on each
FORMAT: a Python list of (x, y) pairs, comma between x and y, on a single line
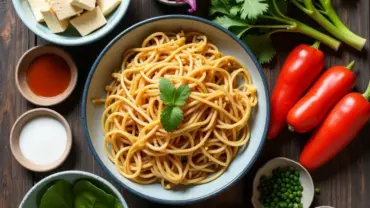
[(48, 75)]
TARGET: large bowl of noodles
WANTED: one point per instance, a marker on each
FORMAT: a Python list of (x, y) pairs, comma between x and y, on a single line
[(223, 122)]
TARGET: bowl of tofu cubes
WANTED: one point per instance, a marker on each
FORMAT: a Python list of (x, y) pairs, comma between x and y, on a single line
[(71, 22)]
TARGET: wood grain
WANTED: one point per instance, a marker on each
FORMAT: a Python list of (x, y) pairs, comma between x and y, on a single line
[(345, 181)]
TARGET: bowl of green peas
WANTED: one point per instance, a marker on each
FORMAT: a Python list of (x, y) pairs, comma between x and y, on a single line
[(282, 183)]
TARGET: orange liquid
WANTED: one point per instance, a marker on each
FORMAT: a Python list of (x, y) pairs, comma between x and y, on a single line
[(48, 76)]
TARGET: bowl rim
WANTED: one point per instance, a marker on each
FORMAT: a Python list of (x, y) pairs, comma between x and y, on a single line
[(86, 89), (78, 172), (81, 40)]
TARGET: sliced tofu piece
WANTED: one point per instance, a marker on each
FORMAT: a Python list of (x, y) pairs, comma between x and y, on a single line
[(89, 21), (64, 9), (84, 4), (36, 6), (52, 21), (107, 6)]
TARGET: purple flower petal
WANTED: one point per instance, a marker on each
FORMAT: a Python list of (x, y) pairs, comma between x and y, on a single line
[(192, 3)]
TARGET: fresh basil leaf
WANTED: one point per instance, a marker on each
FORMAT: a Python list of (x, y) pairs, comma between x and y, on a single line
[(171, 118), (87, 195), (181, 94), (167, 91), (58, 195)]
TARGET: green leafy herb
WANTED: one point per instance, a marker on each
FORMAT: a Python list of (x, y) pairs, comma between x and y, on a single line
[(82, 195), (251, 9), (59, 195), (174, 98), (254, 21), (88, 195)]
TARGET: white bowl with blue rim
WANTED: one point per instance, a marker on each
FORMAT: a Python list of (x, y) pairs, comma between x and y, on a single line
[(33, 196), (70, 37), (110, 59)]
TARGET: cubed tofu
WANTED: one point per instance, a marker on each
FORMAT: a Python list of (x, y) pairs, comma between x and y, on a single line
[(36, 6), (107, 6), (84, 4), (52, 21), (89, 21), (64, 9)]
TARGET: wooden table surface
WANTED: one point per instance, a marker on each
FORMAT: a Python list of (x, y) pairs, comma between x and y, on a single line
[(344, 182)]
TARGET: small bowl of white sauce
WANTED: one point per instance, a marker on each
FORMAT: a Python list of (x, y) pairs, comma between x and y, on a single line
[(41, 139)]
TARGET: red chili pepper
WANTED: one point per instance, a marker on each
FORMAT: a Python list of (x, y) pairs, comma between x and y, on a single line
[(331, 86), (338, 129), (300, 69)]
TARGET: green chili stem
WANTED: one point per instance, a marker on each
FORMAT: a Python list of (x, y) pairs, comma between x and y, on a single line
[(367, 92), (351, 65)]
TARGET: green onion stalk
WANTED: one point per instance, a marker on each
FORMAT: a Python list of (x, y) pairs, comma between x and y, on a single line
[(332, 23)]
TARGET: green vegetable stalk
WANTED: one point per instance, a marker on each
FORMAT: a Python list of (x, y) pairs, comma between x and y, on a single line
[(335, 26), (255, 21)]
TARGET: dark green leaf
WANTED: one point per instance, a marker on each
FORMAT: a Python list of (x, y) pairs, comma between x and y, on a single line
[(261, 46), (181, 94), (88, 195), (59, 195), (167, 91), (171, 118)]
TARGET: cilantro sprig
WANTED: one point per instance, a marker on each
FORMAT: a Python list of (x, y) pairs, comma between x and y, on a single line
[(174, 98), (255, 21)]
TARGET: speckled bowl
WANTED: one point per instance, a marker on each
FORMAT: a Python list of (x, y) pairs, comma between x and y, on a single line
[(69, 37), (34, 195), (305, 179), (111, 58)]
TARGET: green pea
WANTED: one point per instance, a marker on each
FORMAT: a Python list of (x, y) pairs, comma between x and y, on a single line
[(283, 204)]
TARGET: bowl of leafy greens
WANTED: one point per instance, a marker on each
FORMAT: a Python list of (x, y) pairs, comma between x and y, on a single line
[(73, 189)]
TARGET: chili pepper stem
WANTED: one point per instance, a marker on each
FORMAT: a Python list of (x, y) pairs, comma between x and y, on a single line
[(367, 92), (316, 45), (351, 65)]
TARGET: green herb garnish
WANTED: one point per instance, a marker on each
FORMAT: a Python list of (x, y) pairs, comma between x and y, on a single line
[(174, 98), (254, 21)]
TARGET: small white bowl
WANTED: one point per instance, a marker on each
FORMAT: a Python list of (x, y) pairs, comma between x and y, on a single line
[(305, 179), (69, 37), (15, 134), (31, 199)]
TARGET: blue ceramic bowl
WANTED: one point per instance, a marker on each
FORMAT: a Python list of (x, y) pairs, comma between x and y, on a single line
[(110, 59), (70, 37), (34, 195)]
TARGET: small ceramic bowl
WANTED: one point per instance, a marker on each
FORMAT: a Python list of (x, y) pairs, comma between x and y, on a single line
[(266, 170), (22, 67), (34, 195), (171, 2), (69, 37), (16, 130)]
